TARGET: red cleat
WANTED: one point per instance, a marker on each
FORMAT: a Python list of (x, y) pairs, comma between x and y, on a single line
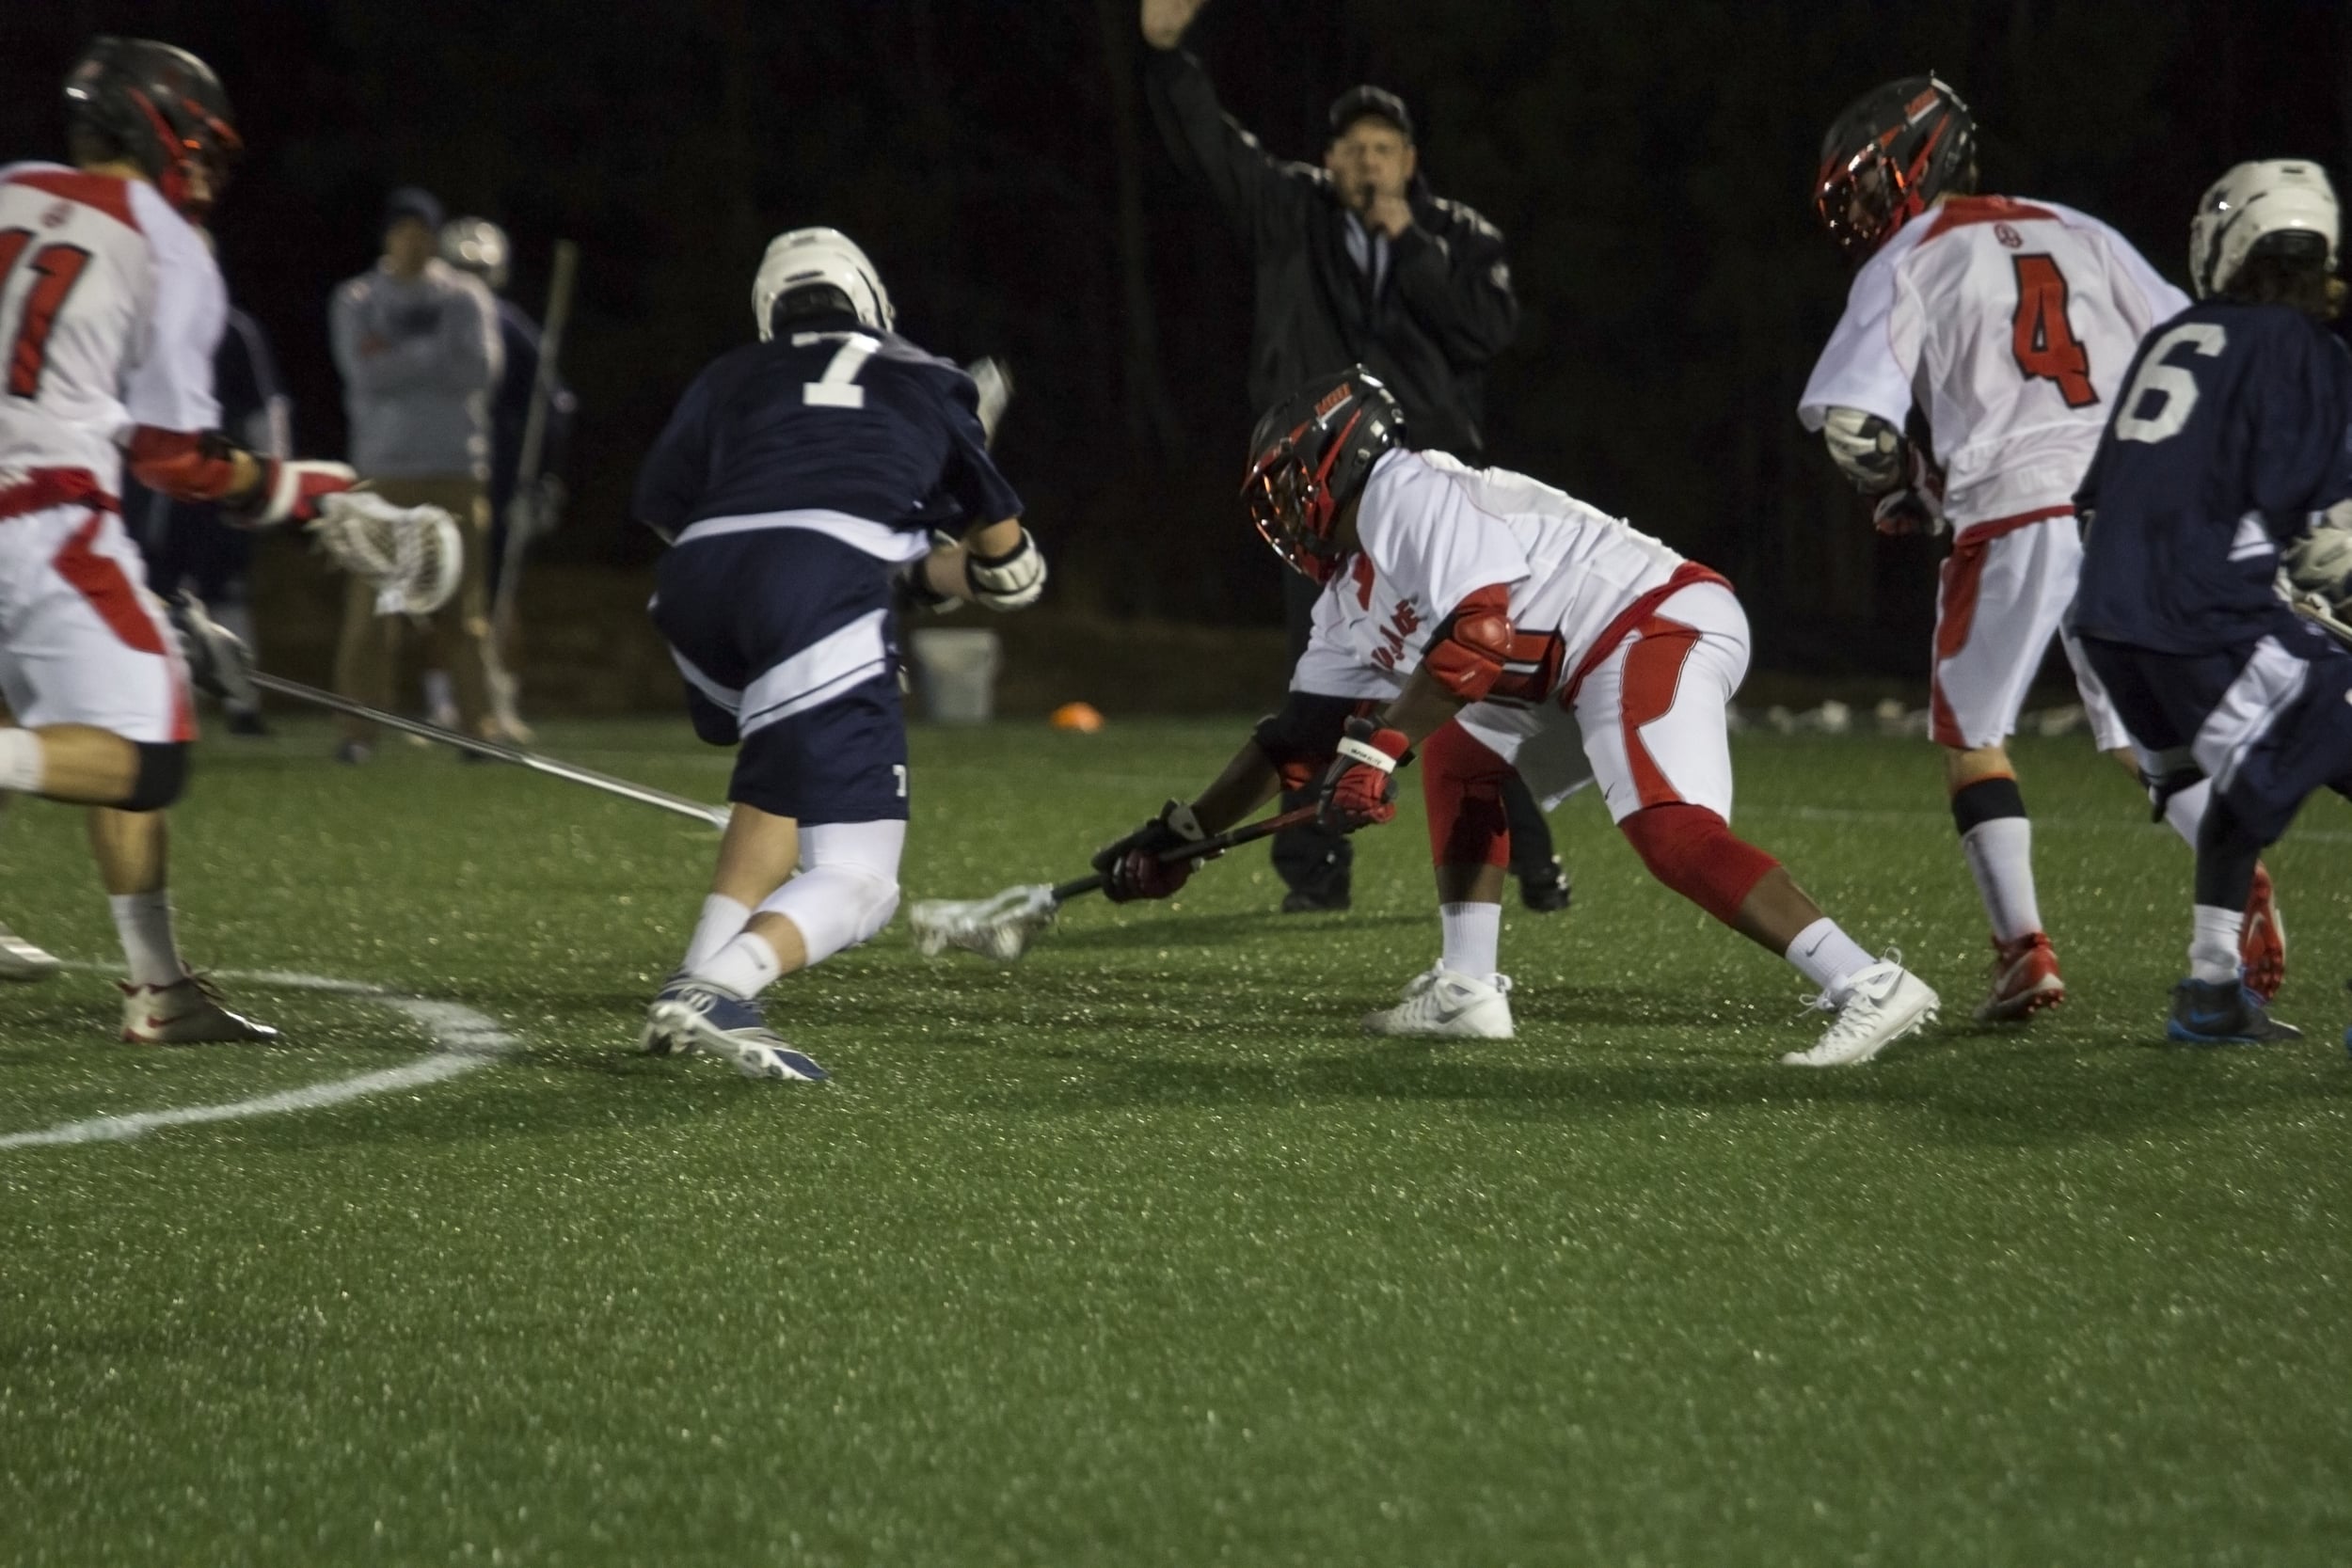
[(2025, 979), (2262, 945)]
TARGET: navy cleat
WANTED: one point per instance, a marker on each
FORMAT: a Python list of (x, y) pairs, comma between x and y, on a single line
[(695, 1015), (2223, 1012)]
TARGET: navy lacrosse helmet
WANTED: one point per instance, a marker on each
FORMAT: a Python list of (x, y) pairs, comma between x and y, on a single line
[(1310, 456), (1896, 148), (162, 106)]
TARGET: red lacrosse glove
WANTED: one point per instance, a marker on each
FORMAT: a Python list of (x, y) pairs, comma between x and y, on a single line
[(290, 492), (1132, 867), (1360, 788)]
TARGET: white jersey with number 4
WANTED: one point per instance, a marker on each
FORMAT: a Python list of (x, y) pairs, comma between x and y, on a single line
[(2008, 325), (110, 309)]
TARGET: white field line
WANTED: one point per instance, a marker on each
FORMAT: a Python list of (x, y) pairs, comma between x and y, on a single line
[(467, 1040)]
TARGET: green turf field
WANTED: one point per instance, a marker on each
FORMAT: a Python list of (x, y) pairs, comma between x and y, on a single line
[(1139, 1252)]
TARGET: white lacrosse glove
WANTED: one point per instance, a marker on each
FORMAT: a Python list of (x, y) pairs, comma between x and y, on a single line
[(413, 555), (220, 663), (1013, 580), (2319, 564), (993, 377)]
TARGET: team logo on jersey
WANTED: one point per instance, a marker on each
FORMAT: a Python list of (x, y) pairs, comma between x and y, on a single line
[(56, 214), (2007, 236), (1404, 621)]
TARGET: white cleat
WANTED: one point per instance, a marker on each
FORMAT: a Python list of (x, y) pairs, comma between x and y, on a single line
[(694, 1015), (20, 960), (1444, 1004), (1886, 1003), (186, 1012)]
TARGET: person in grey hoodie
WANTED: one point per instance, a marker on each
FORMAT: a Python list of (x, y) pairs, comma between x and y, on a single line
[(417, 341)]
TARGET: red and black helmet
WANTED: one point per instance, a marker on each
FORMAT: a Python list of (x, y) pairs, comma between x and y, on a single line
[(1309, 456), (162, 106), (1896, 148)]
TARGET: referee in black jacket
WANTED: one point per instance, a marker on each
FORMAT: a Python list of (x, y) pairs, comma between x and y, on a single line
[(1357, 262)]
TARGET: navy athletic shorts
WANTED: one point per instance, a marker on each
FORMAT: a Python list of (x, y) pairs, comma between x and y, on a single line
[(784, 638), (2268, 720)]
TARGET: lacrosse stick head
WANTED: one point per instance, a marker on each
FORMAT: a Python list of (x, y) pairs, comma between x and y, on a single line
[(413, 555), (998, 928)]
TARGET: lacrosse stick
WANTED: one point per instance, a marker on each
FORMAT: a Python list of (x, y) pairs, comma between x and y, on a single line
[(714, 815), (524, 519), (413, 555), (1001, 927)]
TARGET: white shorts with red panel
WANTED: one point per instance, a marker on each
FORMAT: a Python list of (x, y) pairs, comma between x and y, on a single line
[(82, 642), (2005, 590), (1644, 719)]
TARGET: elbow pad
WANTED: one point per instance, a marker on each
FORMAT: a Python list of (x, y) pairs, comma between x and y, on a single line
[(186, 468), (1471, 648), (1867, 450), (1301, 740)]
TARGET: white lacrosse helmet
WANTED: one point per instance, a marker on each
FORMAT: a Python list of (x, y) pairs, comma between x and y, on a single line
[(2260, 206), (479, 247), (820, 258)]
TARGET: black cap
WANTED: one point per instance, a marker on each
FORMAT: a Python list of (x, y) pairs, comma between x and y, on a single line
[(1356, 102), (413, 201)]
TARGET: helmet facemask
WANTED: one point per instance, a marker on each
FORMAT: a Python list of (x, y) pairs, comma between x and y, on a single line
[(188, 140), (1293, 507)]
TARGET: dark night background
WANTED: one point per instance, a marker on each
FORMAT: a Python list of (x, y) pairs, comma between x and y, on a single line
[(1649, 165)]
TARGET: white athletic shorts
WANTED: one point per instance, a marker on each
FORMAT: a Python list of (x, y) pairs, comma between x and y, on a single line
[(1646, 721), (82, 641), (2006, 589)]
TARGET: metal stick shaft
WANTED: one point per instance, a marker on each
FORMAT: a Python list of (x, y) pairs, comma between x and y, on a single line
[(713, 815)]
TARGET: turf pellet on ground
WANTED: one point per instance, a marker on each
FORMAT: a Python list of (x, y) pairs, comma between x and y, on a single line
[(1140, 1252)]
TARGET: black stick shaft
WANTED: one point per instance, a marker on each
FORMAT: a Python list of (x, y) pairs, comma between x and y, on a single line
[(1216, 843)]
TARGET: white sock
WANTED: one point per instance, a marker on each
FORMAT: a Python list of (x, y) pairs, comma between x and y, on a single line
[(2000, 856), (722, 917), (1826, 956), (20, 761), (2186, 810), (2213, 944), (144, 922), (441, 694), (746, 966), (1474, 938)]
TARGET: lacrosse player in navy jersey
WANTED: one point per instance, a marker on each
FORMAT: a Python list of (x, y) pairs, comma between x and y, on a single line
[(2227, 465), (801, 478)]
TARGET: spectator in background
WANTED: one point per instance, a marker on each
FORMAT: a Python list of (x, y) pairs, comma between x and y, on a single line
[(417, 342), (187, 545), (1356, 263), (477, 245)]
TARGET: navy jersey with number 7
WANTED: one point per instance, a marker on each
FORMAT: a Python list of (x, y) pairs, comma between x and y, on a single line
[(2233, 428), (835, 418)]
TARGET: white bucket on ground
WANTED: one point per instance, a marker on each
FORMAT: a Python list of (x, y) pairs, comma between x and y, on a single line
[(955, 671)]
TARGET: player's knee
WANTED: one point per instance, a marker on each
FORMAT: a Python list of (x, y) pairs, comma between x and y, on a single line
[(1461, 785), (161, 778), (1694, 851)]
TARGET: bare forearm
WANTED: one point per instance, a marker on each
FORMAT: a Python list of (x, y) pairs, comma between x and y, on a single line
[(1421, 709), (1248, 781)]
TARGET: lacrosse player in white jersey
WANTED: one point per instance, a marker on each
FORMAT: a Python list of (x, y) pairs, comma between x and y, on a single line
[(110, 308), (1982, 345), (1525, 631)]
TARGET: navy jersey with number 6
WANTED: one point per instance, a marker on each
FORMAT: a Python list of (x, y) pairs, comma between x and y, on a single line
[(2234, 427), (833, 419)]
